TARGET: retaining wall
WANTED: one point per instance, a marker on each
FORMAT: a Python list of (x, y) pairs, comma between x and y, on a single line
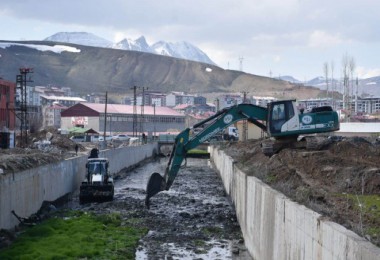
[(274, 227), (24, 192)]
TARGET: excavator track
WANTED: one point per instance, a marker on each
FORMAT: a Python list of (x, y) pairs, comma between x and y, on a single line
[(312, 143), (270, 147), (267, 148)]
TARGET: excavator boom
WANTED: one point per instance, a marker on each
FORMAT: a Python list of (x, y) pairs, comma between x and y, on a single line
[(183, 143)]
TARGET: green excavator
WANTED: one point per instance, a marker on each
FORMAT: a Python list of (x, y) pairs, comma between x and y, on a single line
[(281, 120)]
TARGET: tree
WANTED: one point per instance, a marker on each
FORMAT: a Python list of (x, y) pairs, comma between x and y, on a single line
[(326, 72), (346, 77), (332, 84), (348, 68)]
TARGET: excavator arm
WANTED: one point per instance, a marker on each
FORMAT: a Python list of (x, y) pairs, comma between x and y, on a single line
[(212, 126)]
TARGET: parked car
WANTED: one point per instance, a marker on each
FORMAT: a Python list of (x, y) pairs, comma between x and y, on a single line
[(101, 138), (78, 138), (121, 137)]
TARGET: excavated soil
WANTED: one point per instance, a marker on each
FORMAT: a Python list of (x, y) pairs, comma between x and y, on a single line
[(44, 147), (329, 180)]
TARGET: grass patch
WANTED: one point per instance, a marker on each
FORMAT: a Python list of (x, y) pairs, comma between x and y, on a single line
[(199, 243), (369, 206), (78, 235), (212, 231), (270, 178)]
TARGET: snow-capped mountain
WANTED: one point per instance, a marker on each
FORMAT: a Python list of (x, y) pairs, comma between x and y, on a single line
[(290, 79), (82, 38), (369, 86), (139, 44), (183, 50)]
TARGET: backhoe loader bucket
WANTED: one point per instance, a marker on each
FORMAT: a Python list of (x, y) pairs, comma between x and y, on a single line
[(155, 184)]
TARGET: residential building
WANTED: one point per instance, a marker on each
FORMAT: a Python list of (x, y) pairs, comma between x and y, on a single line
[(7, 105), (52, 115), (52, 106), (370, 105), (229, 100), (176, 98), (150, 98)]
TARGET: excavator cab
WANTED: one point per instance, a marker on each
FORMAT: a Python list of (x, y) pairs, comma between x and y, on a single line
[(279, 114), (286, 119)]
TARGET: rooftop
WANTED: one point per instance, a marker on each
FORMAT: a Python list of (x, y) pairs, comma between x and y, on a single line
[(77, 99), (128, 109)]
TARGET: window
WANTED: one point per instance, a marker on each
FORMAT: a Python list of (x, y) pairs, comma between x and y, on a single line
[(278, 112)]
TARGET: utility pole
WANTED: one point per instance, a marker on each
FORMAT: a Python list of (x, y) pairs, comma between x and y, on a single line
[(142, 112), (217, 104), (105, 122), (154, 120), (21, 81), (241, 63), (134, 121), (356, 95)]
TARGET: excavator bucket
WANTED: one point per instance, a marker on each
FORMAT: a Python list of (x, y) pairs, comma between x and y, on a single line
[(155, 184)]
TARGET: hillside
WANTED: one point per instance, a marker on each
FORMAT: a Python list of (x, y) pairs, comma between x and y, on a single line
[(94, 69)]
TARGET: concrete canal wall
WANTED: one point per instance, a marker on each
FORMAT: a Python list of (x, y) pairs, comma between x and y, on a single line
[(24, 192), (274, 227)]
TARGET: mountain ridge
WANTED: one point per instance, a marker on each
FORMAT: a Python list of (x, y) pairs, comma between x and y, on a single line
[(88, 69), (366, 87), (180, 49)]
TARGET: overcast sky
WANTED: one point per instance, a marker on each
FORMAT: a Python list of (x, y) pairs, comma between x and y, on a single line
[(273, 37)]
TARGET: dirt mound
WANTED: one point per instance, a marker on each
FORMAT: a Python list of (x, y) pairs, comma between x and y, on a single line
[(46, 146), (340, 181)]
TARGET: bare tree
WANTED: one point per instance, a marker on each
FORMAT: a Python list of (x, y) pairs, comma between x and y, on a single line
[(346, 79), (351, 67), (326, 72)]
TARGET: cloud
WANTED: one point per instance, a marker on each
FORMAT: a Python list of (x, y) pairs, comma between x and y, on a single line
[(322, 39), (301, 32), (277, 58), (365, 73)]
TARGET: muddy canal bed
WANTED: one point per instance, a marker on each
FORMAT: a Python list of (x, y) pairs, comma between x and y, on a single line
[(194, 220)]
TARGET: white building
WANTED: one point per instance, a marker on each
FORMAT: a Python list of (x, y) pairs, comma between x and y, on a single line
[(229, 100), (52, 115), (262, 101)]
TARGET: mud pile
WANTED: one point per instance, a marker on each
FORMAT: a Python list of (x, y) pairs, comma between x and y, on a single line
[(332, 180), (44, 147)]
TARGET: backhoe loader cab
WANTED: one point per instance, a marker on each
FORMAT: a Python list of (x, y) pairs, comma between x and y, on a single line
[(98, 184)]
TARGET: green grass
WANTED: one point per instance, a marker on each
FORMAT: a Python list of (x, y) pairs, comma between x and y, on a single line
[(213, 231), (369, 206), (79, 236)]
